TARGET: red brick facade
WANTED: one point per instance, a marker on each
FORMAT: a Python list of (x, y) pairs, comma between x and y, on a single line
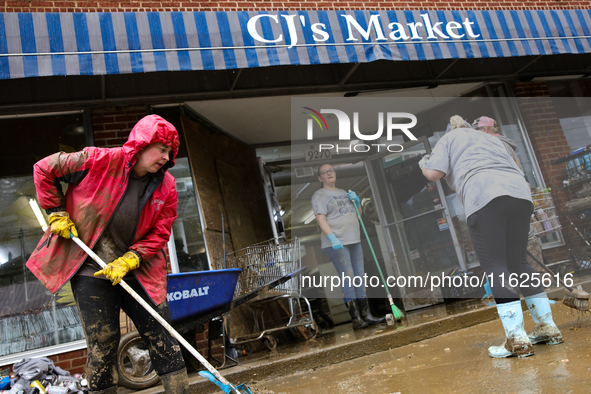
[(112, 125), (549, 143), (71, 361), (220, 5)]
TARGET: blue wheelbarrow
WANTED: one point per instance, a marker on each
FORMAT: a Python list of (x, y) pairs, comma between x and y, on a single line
[(194, 298)]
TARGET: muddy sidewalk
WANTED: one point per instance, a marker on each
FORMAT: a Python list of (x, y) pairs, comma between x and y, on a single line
[(457, 362), (343, 344), (437, 349)]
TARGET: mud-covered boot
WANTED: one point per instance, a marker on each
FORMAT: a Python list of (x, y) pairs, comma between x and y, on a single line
[(516, 341), (176, 382), (545, 330), (366, 313), (110, 390), (355, 316)]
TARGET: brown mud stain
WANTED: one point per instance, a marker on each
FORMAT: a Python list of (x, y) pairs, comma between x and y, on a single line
[(426, 366)]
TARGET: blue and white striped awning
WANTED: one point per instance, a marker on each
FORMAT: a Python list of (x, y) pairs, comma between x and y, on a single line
[(46, 44)]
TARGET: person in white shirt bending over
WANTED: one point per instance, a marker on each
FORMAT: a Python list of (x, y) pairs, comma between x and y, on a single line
[(498, 205)]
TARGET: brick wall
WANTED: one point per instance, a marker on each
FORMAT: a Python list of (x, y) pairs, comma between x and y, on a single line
[(73, 362), (221, 5), (112, 125), (201, 345), (549, 143)]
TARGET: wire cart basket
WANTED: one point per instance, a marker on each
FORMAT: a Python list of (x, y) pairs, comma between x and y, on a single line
[(544, 221), (261, 264)]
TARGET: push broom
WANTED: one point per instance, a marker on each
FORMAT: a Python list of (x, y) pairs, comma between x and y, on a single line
[(397, 313), (213, 375)]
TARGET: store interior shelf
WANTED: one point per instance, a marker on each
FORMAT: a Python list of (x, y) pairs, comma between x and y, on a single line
[(557, 263), (578, 181), (578, 211), (563, 159)]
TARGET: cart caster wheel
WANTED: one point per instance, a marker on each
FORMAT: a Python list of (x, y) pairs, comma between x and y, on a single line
[(270, 343), (312, 331), (308, 332), (134, 363)]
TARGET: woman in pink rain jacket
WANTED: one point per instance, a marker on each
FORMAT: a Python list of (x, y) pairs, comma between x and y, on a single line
[(122, 203)]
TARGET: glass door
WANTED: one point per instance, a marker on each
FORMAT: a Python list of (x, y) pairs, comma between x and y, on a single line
[(416, 223)]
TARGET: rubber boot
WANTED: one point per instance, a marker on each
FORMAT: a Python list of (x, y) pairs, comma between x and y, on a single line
[(545, 330), (516, 341), (366, 313), (110, 390), (176, 382), (355, 316)]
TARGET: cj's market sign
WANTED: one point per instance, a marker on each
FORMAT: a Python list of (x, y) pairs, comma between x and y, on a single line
[(37, 44), (393, 31)]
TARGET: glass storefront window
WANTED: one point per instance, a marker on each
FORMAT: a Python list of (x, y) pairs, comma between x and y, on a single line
[(187, 247), (30, 318), (186, 230)]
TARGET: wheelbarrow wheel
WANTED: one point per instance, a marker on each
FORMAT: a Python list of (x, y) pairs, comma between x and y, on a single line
[(134, 363)]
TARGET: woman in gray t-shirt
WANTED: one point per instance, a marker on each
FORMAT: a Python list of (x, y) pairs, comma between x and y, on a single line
[(340, 241), (498, 207)]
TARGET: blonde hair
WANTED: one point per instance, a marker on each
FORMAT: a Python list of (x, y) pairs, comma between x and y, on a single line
[(456, 122)]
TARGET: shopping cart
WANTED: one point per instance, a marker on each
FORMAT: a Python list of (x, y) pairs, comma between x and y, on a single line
[(263, 263), (195, 298), (544, 222)]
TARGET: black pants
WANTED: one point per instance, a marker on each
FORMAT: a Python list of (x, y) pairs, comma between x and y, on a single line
[(99, 304), (499, 234)]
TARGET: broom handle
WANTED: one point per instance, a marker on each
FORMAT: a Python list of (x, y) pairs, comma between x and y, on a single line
[(159, 318), (580, 234), (374, 257), (548, 269)]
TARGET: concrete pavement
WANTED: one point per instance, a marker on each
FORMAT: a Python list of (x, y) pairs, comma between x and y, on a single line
[(457, 362), (343, 346)]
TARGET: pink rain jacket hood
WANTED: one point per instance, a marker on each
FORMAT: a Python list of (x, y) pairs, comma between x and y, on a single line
[(97, 179)]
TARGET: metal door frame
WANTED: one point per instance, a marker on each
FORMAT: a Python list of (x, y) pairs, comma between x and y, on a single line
[(393, 264), (269, 192)]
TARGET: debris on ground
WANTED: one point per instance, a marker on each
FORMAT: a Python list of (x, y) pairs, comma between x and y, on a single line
[(42, 376), (261, 391)]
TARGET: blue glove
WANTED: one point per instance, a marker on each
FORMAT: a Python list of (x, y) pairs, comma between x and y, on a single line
[(334, 241), (353, 197)]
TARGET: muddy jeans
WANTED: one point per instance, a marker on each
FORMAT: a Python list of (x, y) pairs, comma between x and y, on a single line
[(348, 262), (499, 233), (99, 304)]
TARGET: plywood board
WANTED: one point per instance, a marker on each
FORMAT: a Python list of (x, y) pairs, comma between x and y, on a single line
[(234, 193), (204, 147)]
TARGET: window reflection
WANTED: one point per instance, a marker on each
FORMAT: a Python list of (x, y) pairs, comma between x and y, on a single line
[(30, 318), (188, 235)]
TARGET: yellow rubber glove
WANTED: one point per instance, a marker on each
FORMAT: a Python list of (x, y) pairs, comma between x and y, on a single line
[(62, 225), (116, 270)]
